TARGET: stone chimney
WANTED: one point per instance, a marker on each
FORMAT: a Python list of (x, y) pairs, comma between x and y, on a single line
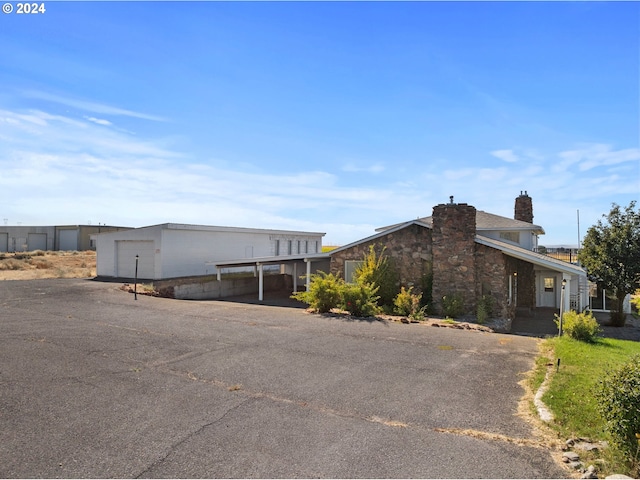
[(524, 208), (453, 248)]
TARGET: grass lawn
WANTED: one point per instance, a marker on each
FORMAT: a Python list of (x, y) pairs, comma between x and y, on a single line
[(570, 396)]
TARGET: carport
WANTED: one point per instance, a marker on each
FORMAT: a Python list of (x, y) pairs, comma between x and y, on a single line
[(293, 260)]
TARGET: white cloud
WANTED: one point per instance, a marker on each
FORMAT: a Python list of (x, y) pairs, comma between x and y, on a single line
[(596, 155), (99, 121), (505, 155), (375, 168), (58, 170), (91, 106)]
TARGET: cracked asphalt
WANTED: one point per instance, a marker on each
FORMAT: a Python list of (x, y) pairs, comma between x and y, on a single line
[(96, 384)]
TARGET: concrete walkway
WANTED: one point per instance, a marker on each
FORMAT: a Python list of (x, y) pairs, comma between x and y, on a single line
[(540, 323)]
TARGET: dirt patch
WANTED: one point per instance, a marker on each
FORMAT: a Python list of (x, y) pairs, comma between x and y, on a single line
[(38, 264)]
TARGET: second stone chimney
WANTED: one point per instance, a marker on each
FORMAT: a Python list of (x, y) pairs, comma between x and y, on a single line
[(524, 208)]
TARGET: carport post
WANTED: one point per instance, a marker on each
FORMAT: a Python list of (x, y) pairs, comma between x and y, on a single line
[(135, 282), (260, 282), (295, 277), (308, 262)]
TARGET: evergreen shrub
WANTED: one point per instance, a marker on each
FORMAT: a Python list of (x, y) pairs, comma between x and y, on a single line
[(452, 305), (580, 326), (618, 395)]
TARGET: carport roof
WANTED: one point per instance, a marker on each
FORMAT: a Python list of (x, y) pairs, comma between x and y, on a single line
[(273, 260)]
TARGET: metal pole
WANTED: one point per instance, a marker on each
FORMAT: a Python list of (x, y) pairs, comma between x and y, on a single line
[(135, 283)]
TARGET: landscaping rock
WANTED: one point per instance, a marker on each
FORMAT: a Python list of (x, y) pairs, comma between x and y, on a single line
[(570, 457), (616, 476), (590, 473)]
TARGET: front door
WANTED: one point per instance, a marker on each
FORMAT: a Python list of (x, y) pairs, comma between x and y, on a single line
[(548, 292)]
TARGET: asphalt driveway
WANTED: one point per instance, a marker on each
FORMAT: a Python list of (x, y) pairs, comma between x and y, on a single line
[(95, 384)]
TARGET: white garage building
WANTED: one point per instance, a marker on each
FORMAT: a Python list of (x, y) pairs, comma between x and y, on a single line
[(173, 250)]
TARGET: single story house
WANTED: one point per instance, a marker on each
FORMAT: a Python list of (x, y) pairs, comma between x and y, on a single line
[(54, 237), (171, 250), (473, 253)]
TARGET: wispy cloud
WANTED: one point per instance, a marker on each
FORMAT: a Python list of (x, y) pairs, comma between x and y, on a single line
[(352, 167), (99, 121), (506, 155), (59, 169), (90, 106), (597, 155)]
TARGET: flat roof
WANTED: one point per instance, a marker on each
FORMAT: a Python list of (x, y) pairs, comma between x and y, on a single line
[(273, 260)]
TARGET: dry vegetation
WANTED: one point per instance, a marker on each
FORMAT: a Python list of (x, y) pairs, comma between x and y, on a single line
[(39, 264)]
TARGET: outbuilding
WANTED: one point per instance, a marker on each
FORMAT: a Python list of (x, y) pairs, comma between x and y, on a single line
[(172, 250), (52, 237)]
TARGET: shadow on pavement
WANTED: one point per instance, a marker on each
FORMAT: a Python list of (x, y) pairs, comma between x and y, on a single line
[(279, 298)]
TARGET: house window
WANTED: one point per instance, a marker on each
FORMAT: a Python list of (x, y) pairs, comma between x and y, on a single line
[(299, 251), (549, 284), (277, 249), (289, 247), (315, 250), (306, 246), (511, 236), (350, 267)]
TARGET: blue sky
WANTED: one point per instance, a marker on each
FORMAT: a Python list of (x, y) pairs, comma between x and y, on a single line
[(338, 117)]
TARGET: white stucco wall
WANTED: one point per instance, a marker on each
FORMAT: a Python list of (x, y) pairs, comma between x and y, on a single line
[(106, 260)]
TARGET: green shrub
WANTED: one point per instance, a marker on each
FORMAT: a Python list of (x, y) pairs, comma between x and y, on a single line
[(618, 396), (426, 282), (452, 305), (325, 292), (376, 269), (409, 304), (485, 309), (360, 299), (580, 326)]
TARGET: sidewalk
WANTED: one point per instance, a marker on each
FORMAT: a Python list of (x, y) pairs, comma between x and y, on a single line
[(541, 324)]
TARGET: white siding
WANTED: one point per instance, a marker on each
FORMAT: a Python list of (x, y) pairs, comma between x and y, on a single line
[(526, 238), (106, 261), (187, 250), (126, 251)]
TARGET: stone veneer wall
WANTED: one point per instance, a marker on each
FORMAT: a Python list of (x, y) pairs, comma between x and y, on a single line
[(409, 250), (492, 279), (526, 284), (454, 266)]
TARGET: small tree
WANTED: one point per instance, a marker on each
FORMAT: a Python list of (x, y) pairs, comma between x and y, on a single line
[(377, 270), (611, 254)]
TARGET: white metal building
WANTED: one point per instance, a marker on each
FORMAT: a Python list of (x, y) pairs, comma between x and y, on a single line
[(173, 250)]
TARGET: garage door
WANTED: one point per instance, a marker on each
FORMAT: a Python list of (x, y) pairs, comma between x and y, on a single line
[(4, 242), (126, 251), (36, 241), (68, 239)]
